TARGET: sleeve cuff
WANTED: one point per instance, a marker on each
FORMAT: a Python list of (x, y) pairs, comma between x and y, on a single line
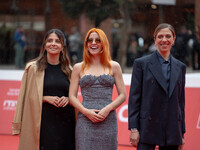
[(16, 132), (16, 127)]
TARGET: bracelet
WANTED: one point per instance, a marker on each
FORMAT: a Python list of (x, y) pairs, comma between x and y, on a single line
[(134, 130)]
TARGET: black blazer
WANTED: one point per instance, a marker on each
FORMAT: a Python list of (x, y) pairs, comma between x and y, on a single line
[(159, 115)]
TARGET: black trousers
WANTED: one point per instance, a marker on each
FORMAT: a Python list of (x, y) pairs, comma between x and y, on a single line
[(142, 146)]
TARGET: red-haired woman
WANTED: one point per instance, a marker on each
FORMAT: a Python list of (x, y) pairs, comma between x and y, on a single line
[(97, 121)]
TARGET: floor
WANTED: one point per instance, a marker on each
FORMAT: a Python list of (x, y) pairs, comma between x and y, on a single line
[(9, 142)]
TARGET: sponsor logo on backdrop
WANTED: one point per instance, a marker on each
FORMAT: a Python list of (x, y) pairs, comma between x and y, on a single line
[(121, 113), (13, 92), (9, 104), (198, 122)]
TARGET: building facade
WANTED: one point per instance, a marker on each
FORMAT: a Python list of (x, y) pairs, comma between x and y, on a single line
[(39, 16)]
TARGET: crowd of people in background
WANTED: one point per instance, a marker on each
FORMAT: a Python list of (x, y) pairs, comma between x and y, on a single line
[(186, 47), (12, 50)]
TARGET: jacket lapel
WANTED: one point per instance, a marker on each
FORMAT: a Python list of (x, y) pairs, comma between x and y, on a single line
[(155, 68), (175, 70), (39, 82)]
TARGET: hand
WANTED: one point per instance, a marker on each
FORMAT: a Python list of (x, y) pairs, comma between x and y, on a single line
[(93, 115), (134, 138), (63, 101), (51, 100), (23, 38), (104, 113), (181, 146)]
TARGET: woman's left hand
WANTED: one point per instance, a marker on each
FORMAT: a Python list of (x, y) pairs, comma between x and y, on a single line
[(104, 112), (63, 101)]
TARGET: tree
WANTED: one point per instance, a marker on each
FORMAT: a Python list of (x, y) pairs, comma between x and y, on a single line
[(125, 11), (98, 11)]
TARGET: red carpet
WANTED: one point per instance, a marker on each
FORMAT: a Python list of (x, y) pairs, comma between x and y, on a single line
[(9, 142)]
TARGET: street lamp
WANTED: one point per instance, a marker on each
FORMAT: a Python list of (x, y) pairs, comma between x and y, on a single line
[(15, 10)]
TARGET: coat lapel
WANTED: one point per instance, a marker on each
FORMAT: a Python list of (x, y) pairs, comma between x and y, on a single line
[(39, 82), (175, 70), (155, 68)]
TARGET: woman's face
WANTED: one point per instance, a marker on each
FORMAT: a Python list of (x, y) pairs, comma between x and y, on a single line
[(94, 44), (53, 44), (164, 40)]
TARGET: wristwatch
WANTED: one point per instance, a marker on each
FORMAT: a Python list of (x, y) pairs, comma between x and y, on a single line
[(134, 130)]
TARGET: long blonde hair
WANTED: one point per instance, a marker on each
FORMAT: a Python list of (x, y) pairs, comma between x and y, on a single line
[(105, 57)]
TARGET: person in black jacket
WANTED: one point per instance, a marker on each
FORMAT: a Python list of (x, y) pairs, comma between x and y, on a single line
[(156, 109)]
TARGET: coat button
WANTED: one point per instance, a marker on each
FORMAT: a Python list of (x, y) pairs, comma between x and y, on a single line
[(152, 81)]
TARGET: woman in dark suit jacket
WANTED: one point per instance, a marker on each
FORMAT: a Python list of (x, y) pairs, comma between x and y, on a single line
[(156, 110)]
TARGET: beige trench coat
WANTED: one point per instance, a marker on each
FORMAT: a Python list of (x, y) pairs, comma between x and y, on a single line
[(27, 119)]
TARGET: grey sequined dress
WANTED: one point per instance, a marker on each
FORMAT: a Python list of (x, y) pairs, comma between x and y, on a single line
[(97, 93)]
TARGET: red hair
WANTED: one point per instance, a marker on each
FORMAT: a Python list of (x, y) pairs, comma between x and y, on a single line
[(105, 57)]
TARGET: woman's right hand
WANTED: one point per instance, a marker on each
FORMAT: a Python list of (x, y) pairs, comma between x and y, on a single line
[(53, 100), (93, 115)]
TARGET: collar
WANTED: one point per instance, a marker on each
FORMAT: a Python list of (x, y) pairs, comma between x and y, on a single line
[(161, 59)]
